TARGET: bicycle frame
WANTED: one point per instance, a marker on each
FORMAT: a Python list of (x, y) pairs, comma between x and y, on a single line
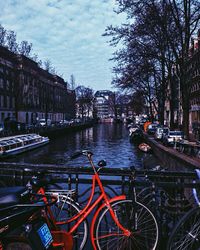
[(96, 182), (89, 207)]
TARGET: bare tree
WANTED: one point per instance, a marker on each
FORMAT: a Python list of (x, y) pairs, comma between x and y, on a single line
[(47, 65), (72, 82), (37, 60), (84, 99), (186, 18), (3, 33), (156, 37), (25, 48), (11, 41)]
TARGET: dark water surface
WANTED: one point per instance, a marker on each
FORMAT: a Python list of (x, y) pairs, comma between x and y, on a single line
[(107, 141)]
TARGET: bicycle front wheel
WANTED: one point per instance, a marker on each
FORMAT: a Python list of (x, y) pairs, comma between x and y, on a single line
[(64, 210), (186, 234), (135, 217)]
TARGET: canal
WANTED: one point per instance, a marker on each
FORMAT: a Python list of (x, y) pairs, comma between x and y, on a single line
[(107, 141), (111, 142)]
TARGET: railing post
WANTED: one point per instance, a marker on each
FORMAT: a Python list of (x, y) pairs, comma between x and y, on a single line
[(76, 186)]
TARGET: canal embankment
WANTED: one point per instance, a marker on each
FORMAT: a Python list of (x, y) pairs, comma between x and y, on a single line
[(171, 158), (55, 132), (52, 131)]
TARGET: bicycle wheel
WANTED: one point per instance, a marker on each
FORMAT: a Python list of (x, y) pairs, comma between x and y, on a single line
[(145, 196), (135, 217), (16, 245), (186, 234), (65, 209)]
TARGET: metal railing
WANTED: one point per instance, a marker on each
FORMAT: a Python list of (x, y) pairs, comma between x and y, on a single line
[(166, 193)]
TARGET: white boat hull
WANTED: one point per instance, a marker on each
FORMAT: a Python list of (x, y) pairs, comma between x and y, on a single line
[(24, 148)]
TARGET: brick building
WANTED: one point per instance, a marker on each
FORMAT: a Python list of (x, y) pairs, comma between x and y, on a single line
[(194, 72), (173, 96), (28, 93)]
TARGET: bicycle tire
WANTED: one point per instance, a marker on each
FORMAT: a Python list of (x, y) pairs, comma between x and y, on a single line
[(146, 197), (186, 234), (65, 209), (134, 216), (14, 244)]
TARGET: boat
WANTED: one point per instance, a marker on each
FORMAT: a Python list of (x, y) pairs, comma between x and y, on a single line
[(18, 144), (145, 148), (136, 135)]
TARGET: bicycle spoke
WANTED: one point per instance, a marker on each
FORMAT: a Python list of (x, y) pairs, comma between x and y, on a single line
[(64, 210), (138, 219), (186, 235)]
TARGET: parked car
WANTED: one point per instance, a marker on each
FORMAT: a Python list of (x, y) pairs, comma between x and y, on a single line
[(160, 132), (29, 126), (64, 122), (172, 136), (44, 122), (1, 127), (152, 128)]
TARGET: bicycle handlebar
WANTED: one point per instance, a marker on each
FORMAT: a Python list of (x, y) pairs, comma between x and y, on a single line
[(76, 155), (79, 153)]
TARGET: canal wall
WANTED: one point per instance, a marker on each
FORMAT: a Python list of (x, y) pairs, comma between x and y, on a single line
[(171, 158), (59, 131), (50, 131)]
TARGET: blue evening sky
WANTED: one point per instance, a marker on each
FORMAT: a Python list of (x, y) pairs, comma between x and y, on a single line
[(68, 33)]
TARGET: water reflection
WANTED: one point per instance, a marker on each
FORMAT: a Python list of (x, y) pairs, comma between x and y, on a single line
[(106, 141)]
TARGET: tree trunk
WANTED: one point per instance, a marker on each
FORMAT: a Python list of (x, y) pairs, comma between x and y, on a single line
[(186, 108)]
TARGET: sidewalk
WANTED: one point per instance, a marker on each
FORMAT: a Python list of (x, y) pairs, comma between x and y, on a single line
[(192, 137), (172, 158)]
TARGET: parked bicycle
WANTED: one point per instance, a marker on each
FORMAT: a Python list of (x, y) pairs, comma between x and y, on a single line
[(22, 225), (117, 223), (64, 209), (186, 234)]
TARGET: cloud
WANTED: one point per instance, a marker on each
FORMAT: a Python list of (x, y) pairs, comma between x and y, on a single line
[(69, 33)]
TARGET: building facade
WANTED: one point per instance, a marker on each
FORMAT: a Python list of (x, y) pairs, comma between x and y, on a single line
[(173, 107), (194, 73), (104, 104), (29, 93), (173, 114), (8, 65)]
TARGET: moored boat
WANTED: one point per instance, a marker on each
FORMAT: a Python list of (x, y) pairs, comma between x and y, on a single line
[(136, 135), (144, 147), (18, 144)]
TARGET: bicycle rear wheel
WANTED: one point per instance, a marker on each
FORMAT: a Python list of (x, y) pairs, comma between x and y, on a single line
[(64, 210), (186, 234), (133, 216)]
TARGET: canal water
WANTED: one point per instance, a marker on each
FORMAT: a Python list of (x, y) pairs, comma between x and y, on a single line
[(107, 141)]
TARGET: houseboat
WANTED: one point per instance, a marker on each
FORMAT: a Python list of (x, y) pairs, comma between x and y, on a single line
[(18, 144)]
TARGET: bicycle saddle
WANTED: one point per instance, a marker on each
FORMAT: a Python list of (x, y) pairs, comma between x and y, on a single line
[(10, 196), (41, 181)]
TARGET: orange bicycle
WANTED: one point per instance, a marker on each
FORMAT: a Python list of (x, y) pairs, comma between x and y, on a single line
[(117, 223)]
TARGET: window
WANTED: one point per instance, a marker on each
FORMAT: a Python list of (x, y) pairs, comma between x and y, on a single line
[(1, 82), (13, 102), (5, 101), (2, 116), (10, 102), (178, 133)]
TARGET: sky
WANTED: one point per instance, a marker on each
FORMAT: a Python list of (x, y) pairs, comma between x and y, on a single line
[(69, 34)]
